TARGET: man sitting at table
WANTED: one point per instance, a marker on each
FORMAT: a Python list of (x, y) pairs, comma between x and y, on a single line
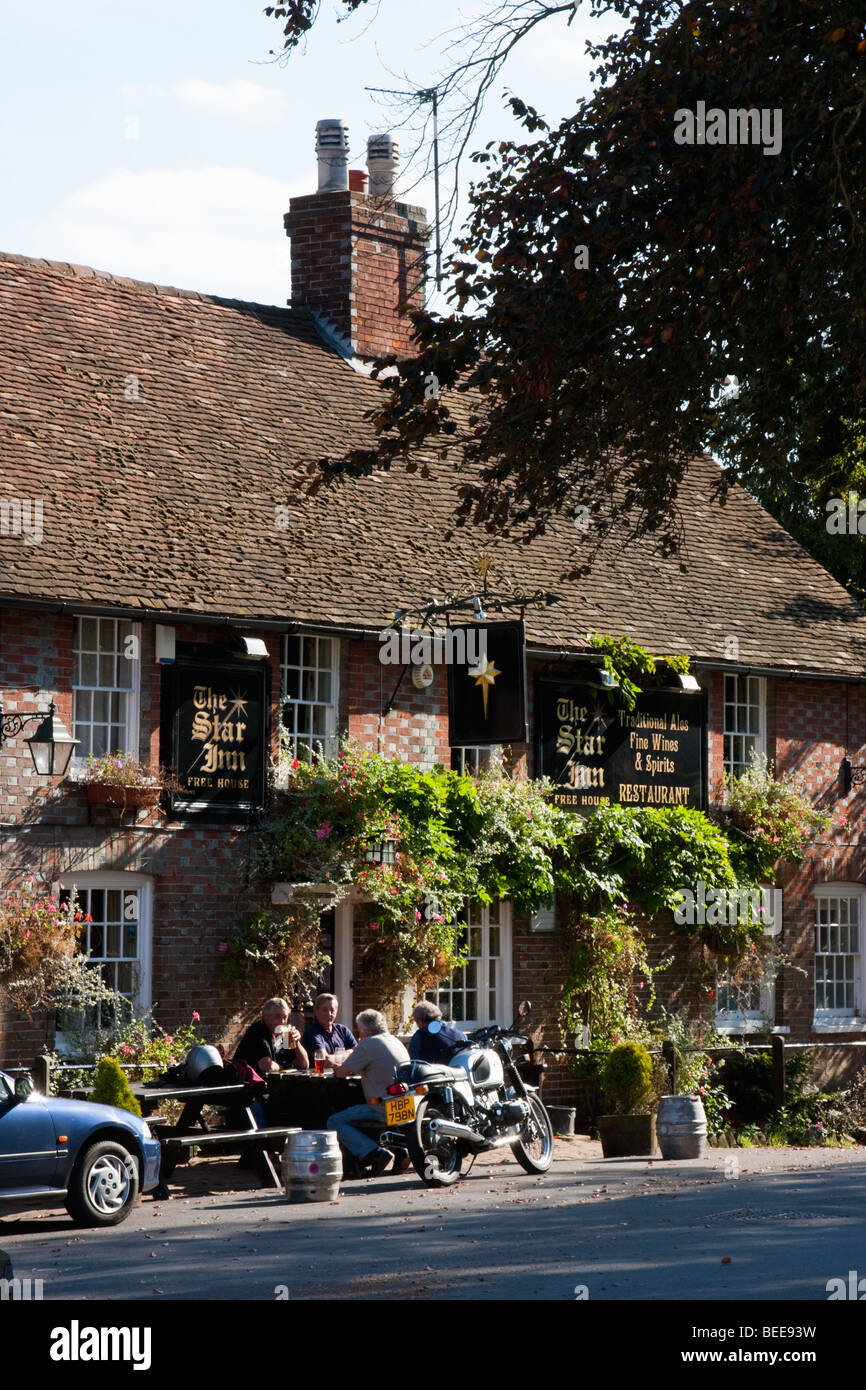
[(442, 1043), (271, 1044), (323, 1033), (374, 1058)]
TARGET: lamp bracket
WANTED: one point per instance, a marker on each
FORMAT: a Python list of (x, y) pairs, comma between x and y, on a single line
[(12, 724)]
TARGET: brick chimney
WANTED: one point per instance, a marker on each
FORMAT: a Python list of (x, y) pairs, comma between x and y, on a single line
[(358, 256)]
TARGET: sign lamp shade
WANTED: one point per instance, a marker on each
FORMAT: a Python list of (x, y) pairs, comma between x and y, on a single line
[(51, 746)]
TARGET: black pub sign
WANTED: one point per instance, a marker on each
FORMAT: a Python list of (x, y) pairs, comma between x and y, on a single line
[(594, 750), (487, 685), (214, 734)]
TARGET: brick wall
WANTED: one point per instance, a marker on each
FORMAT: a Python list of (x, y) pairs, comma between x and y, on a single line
[(199, 869)]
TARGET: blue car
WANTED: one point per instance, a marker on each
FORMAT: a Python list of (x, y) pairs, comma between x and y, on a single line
[(95, 1159)]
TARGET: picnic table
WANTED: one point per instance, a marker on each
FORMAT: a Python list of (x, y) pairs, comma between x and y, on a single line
[(240, 1131), (308, 1100)]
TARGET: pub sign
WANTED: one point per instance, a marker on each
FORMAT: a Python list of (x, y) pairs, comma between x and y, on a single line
[(214, 730), (487, 696), (594, 750)]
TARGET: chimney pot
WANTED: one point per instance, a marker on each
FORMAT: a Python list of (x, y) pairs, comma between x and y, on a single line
[(332, 150), (358, 180), (383, 159)]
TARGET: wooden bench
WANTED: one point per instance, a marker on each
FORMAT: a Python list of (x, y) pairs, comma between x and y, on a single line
[(232, 1140)]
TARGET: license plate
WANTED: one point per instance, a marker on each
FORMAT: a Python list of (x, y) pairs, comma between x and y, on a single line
[(400, 1111)]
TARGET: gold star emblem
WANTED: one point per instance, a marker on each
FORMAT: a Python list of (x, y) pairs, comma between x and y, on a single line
[(484, 674)]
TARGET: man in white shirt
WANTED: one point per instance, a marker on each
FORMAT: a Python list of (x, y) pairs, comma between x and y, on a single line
[(374, 1058)]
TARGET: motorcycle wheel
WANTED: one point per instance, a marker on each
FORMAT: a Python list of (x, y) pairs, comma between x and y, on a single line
[(436, 1161), (534, 1149)]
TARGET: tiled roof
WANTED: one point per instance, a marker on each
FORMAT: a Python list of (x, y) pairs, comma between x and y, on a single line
[(163, 428)]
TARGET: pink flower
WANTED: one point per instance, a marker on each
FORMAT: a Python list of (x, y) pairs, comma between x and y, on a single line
[(126, 1048), (223, 946), (196, 1016), (374, 926), (819, 1126), (324, 830), (417, 916), (168, 1040)]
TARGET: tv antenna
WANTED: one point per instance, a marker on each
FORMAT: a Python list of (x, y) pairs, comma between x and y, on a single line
[(430, 94)]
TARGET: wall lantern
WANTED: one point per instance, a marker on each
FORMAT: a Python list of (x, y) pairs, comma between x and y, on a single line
[(51, 746)]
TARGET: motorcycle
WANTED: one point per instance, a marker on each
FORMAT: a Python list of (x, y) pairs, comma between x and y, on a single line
[(440, 1115)]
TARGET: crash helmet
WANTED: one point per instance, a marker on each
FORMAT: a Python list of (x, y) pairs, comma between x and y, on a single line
[(200, 1059)]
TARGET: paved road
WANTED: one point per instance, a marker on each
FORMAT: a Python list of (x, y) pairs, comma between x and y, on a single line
[(753, 1224)]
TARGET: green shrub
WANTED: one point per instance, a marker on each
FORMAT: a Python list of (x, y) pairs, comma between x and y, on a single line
[(747, 1077), (110, 1087), (626, 1077)]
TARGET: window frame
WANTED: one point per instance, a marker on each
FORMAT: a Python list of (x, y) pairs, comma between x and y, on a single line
[(505, 977), (459, 753), (124, 881), (762, 1019), (760, 745), (833, 1020), (130, 735), (289, 739)]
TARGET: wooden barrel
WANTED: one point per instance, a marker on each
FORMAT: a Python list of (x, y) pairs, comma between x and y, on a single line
[(681, 1126), (312, 1166)]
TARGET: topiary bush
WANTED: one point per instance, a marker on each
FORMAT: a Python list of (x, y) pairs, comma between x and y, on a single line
[(626, 1077), (110, 1087)]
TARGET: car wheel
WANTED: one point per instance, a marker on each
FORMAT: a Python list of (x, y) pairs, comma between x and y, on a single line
[(104, 1185)]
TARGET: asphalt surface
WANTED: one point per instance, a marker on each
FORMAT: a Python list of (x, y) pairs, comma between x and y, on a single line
[(754, 1224)]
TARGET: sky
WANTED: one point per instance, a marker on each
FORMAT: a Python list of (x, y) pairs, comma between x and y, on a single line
[(158, 139)]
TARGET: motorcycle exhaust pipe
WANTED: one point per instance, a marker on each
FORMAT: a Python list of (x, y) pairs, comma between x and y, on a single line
[(455, 1131)]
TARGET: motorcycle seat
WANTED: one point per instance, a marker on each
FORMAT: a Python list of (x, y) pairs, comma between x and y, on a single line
[(418, 1073)]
